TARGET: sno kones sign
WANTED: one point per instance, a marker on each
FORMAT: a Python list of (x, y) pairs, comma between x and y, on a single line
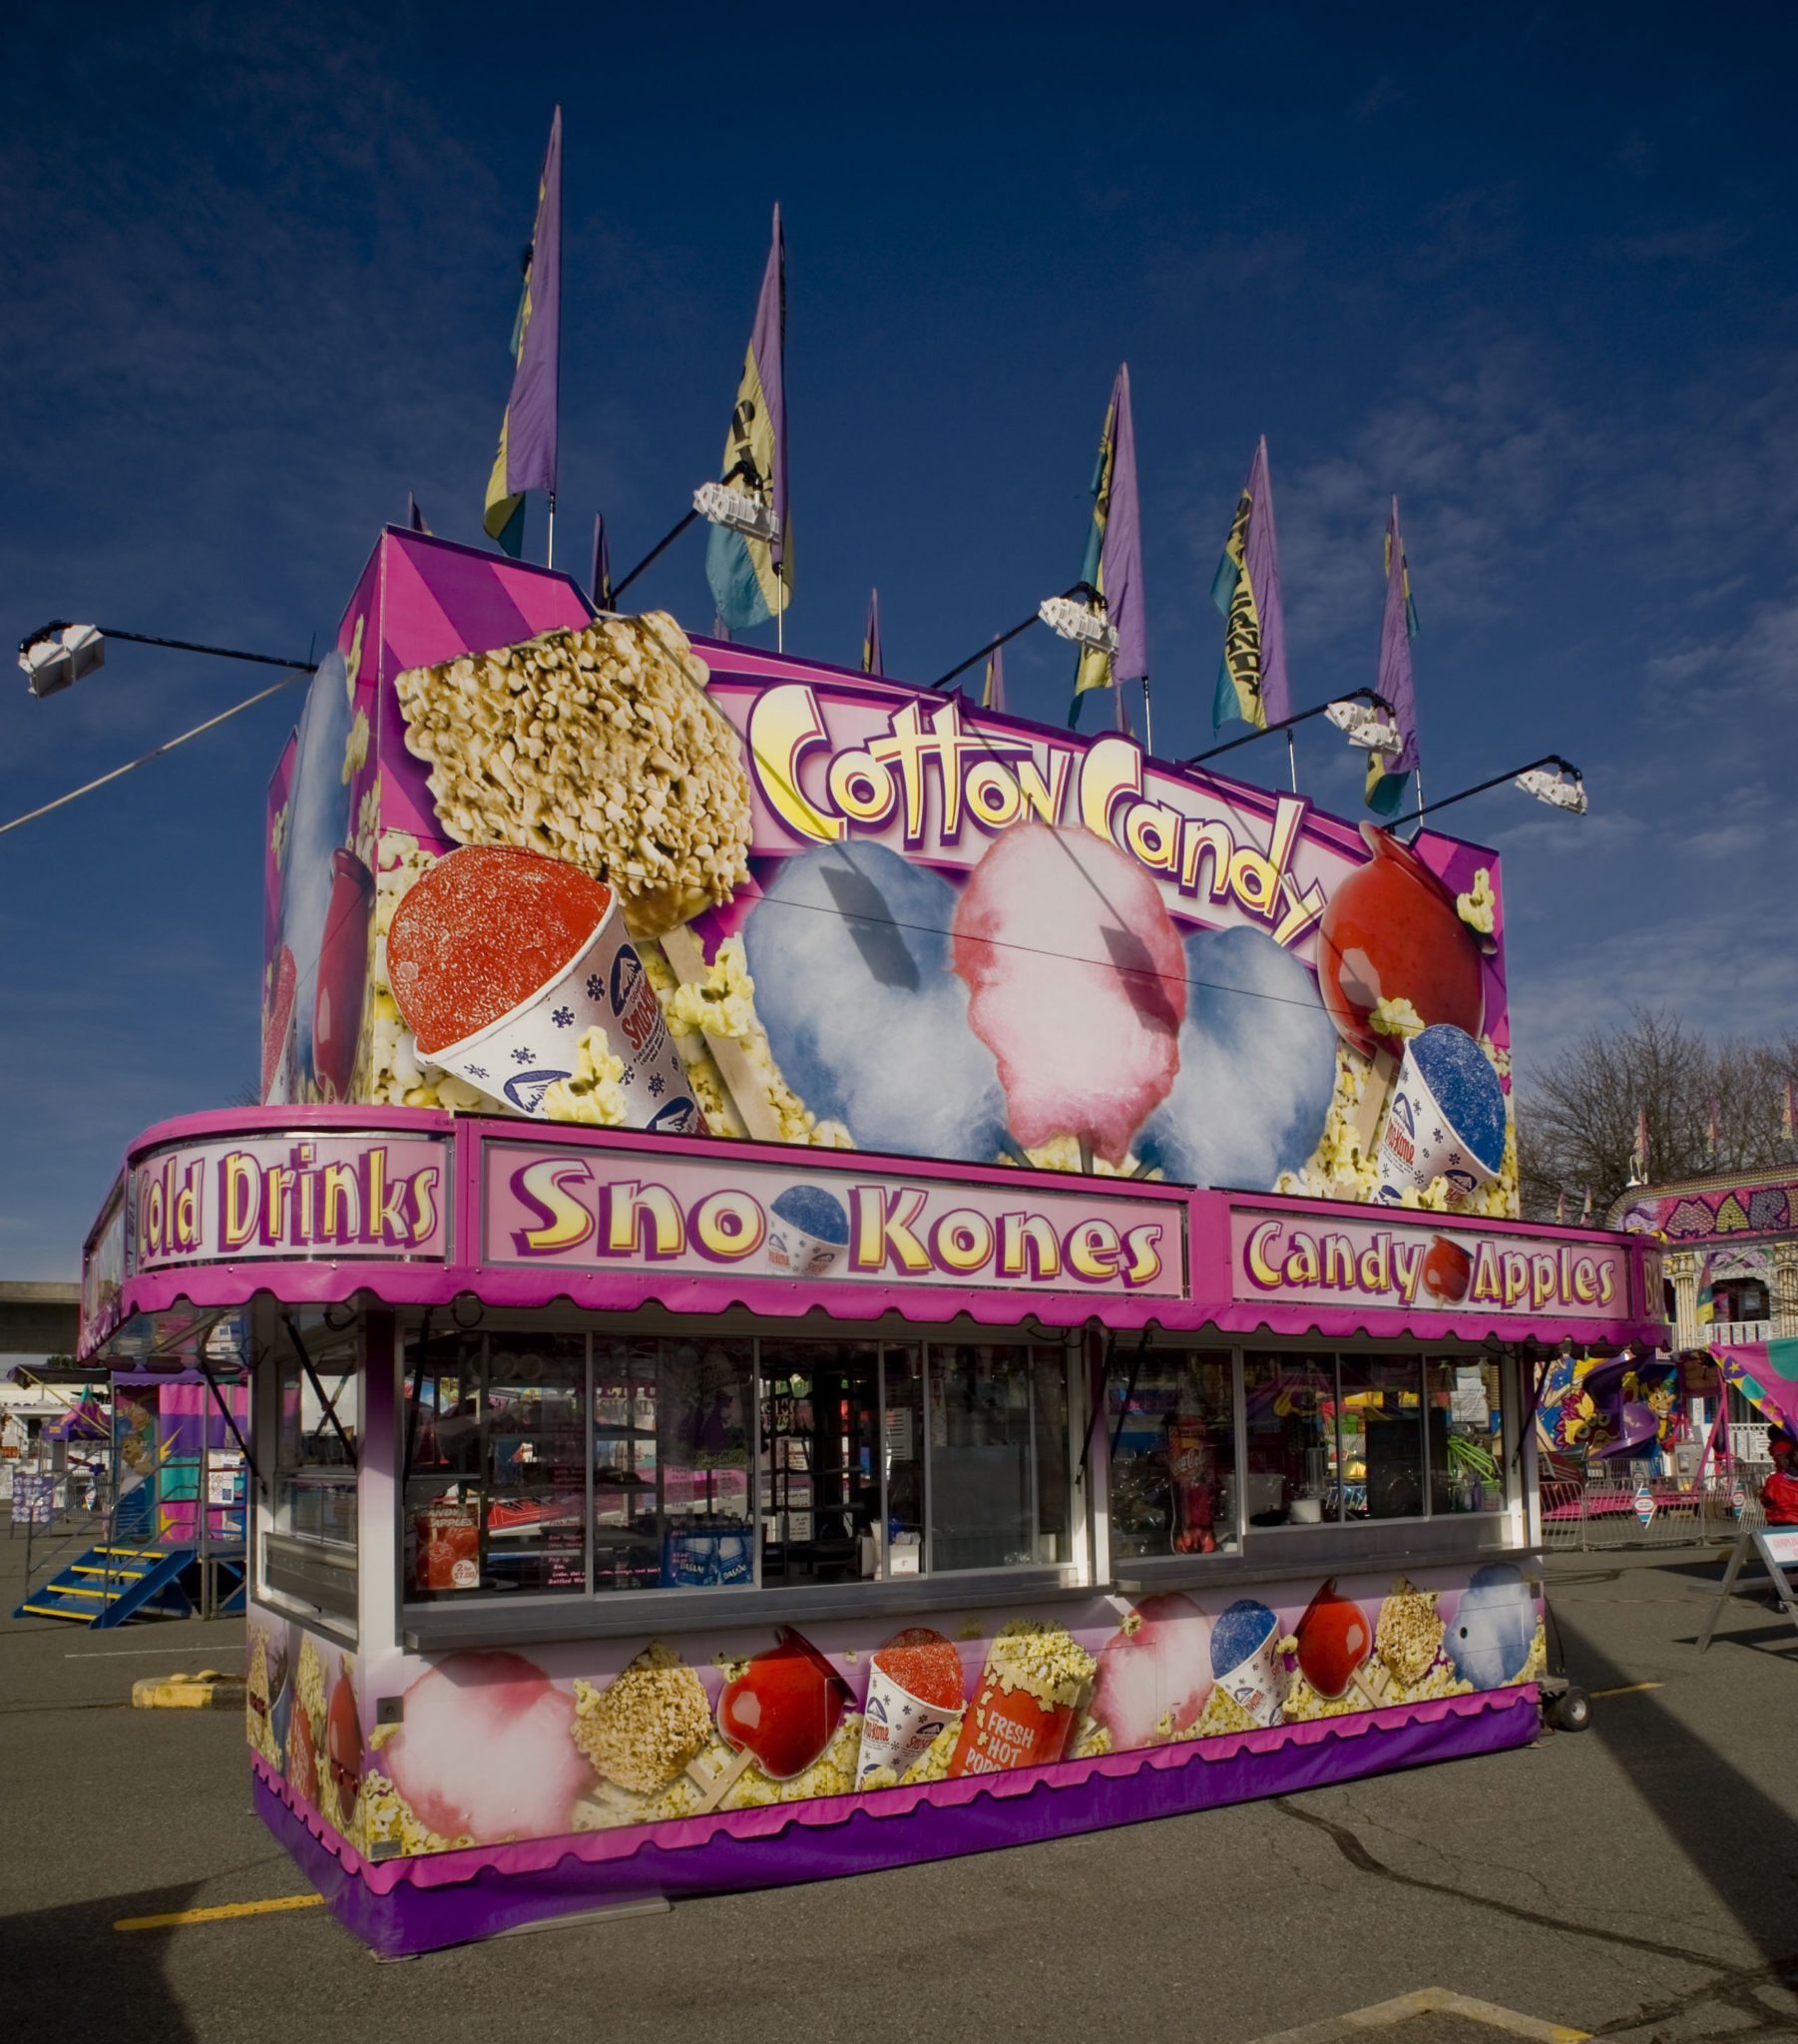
[(620, 1209)]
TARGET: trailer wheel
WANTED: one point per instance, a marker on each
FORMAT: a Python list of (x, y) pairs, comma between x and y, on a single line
[(1571, 1711)]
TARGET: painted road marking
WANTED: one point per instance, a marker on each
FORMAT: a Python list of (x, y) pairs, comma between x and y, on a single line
[(117, 1654), (221, 1914), (1386, 2015), (1626, 1689)]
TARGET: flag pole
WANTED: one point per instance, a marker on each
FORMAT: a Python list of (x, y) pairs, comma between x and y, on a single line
[(1292, 759), (549, 559), (1149, 719)]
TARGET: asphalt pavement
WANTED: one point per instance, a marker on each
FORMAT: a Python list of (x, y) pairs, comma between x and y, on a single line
[(1637, 1881)]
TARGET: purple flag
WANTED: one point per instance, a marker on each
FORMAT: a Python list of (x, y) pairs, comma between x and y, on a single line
[(599, 583), (1398, 626), (1121, 554), (527, 451)]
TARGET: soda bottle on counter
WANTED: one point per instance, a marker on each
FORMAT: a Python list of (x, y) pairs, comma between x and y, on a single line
[(1192, 1481)]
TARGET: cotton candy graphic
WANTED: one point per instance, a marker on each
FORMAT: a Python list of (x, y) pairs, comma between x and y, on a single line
[(1489, 1639), (318, 824), (486, 1750), (1154, 1675), (849, 951), (1079, 985), (1258, 1066)]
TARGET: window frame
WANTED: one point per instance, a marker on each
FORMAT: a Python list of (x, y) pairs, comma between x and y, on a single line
[(450, 1619)]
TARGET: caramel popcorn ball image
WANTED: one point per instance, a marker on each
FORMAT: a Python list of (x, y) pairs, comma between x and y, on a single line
[(600, 747), (646, 1723), (1409, 1634)]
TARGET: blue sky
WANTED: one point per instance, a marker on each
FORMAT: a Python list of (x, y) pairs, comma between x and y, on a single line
[(1531, 270)]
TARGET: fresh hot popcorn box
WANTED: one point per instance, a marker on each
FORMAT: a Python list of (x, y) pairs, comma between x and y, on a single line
[(897, 1727), (1447, 1119), (1004, 1730)]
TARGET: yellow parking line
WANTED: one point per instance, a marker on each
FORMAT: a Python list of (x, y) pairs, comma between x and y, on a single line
[(1628, 1688), (219, 1914)]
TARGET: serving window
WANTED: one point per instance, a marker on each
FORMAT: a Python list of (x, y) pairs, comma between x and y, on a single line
[(1171, 1425), (1340, 1440), (565, 1464), (308, 1540)]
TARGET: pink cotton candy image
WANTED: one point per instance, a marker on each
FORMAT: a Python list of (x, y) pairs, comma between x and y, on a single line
[(1077, 986), (486, 1750), (1155, 1674)]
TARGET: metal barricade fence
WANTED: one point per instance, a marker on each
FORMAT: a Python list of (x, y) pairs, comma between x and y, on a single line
[(1611, 1511)]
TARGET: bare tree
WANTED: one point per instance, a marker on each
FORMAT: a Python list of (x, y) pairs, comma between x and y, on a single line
[(1576, 1115)]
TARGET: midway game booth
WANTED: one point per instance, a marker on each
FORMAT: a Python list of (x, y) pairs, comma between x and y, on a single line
[(759, 1370)]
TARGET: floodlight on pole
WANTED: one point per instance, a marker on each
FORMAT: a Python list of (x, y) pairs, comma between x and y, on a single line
[(1562, 788), (59, 652), (1086, 627), (1362, 716), (719, 504)]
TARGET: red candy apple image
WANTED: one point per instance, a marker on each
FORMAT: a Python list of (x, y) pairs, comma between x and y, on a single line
[(1391, 933), (1448, 1270), (342, 975), (344, 1745), (1334, 1639), (785, 1709)]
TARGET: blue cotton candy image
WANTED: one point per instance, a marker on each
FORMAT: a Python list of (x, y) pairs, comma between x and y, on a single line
[(1258, 1067), (849, 948), (1489, 1641)]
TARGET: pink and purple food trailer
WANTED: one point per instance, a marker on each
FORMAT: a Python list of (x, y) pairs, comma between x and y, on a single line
[(829, 1279)]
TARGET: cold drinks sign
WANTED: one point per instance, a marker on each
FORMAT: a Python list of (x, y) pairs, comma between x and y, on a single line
[(291, 1195), (1308, 1259)]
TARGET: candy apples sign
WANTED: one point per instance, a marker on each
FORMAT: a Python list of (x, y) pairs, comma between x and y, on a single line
[(1434, 1262), (621, 1210)]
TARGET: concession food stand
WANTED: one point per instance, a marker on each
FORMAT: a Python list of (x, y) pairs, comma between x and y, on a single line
[(927, 1283)]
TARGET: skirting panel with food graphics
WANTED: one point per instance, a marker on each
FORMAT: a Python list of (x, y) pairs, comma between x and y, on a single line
[(528, 861), (423, 1756)]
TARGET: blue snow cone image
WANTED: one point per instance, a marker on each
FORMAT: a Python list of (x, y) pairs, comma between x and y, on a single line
[(808, 1228), (1459, 1073), (1240, 1634), (1489, 1641)]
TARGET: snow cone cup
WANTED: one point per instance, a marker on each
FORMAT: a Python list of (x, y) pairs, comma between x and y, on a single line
[(1247, 1662), (1447, 1119), (470, 936), (896, 1727)]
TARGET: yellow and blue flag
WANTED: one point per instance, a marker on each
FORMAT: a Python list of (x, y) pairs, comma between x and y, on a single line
[(992, 684), (751, 579), (1251, 674), (1114, 565), (527, 453)]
